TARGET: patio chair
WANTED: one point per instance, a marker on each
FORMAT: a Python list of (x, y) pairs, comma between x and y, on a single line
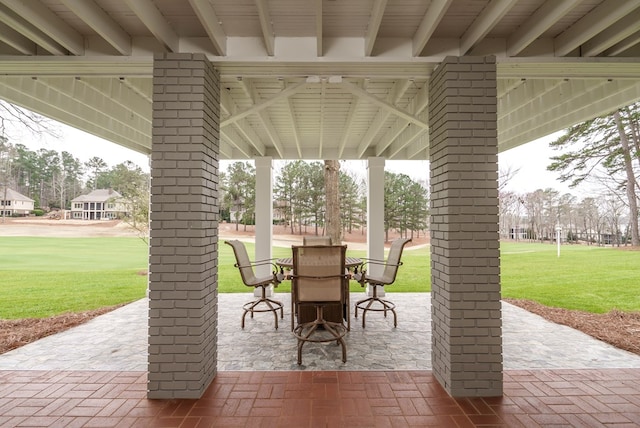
[(262, 303), (388, 277), (318, 281)]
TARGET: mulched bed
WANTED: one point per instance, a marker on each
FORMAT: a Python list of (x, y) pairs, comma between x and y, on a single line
[(17, 333), (620, 329)]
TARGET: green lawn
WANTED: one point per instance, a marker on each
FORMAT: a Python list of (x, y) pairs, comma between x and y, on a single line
[(587, 278), (46, 276), (40, 277)]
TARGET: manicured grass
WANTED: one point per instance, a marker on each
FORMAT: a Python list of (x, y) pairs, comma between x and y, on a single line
[(46, 276), (40, 277), (587, 278)]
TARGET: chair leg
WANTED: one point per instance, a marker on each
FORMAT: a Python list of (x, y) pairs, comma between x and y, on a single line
[(293, 310), (304, 331), (340, 340), (366, 305), (271, 306)]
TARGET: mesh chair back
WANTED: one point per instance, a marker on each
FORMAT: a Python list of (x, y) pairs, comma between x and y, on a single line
[(316, 240), (319, 273), (243, 263), (393, 260)]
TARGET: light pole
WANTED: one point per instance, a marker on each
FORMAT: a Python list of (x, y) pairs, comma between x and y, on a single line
[(558, 230)]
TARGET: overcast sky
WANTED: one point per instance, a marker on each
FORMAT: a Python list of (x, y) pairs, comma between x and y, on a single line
[(531, 159)]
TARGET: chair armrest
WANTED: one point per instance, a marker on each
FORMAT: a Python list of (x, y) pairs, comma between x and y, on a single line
[(277, 271), (361, 276), (379, 262)]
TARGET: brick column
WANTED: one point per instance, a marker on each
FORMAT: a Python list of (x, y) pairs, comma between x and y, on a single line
[(183, 261), (465, 256)]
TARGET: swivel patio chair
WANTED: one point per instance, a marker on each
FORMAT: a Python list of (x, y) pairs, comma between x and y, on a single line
[(319, 280), (334, 313), (388, 277), (262, 303)]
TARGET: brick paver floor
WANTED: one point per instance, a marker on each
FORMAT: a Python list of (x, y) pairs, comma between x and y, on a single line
[(532, 398)]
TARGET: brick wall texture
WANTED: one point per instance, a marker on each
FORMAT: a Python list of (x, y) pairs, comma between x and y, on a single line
[(465, 258), (183, 283)]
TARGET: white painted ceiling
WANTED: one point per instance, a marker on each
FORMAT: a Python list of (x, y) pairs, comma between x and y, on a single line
[(319, 79)]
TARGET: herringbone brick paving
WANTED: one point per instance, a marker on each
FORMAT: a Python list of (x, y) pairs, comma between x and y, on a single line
[(532, 398)]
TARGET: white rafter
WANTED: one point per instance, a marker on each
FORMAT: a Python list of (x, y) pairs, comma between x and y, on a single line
[(377, 12), (207, 16), (399, 124), (418, 149), (543, 18), (393, 132), (323, 88), (381, 103), (346, 132), (572, 103), (624, 45), (569, 68), (228, 106), (230, 134), (401, 134), (29, 31), (95, 99), (37, 95), (406, 138), (318, 16), (149, 14), (245, 129), (271, 132), (484, 23), (142, 87), (376, 46), (624, 28), (597, 20), (263, 117), (96, 18), (519, 101), (16, 40), (49, 23), (398, 89), (122, 95), (294, 128), (429, 23), (264, 104), (265, 25)]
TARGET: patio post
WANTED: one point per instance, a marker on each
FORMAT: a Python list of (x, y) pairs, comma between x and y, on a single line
[(375, 216), (465, 254), (183, 251), (264, 216)]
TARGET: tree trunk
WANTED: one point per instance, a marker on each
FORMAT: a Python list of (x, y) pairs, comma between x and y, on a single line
[(332, 200), (631, 189)]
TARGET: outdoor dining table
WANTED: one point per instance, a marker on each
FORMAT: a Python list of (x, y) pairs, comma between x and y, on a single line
[(349, 262)]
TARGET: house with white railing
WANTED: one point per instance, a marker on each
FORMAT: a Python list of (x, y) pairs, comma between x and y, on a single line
[(99, 204)]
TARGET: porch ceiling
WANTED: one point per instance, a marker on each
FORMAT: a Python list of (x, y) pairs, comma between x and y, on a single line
[(319, 79)]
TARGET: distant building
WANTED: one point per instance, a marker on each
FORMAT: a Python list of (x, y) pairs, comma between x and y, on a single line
[(100, 204), (13, 203)]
